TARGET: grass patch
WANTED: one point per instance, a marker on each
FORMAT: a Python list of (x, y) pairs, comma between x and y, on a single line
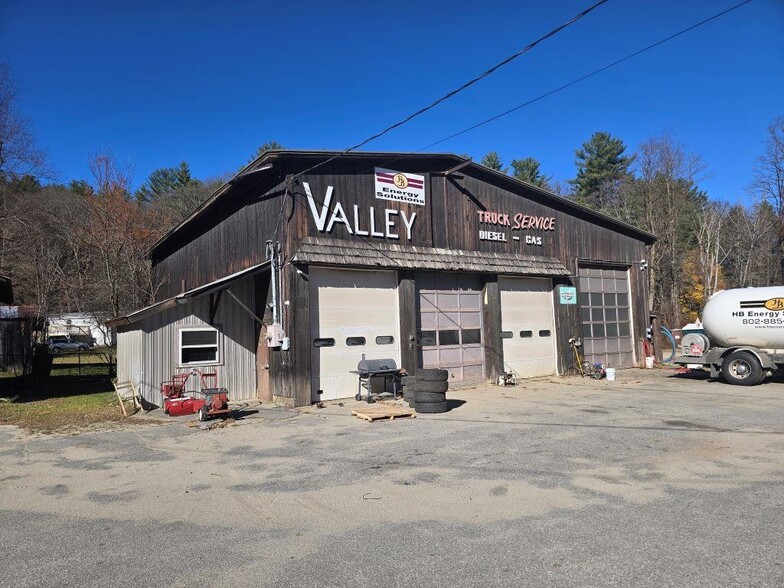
[(54, 404)]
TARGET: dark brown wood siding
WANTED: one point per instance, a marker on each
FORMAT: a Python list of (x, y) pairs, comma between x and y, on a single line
[(230, 238)]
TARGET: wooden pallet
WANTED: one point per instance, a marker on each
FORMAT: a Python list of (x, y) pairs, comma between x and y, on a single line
[(382, 411)]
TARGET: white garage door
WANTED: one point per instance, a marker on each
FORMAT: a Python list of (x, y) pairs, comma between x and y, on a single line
[(351, 313), (528, 326)]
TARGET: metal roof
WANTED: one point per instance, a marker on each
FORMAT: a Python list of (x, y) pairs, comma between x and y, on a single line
[(328, 251), (219, 284)]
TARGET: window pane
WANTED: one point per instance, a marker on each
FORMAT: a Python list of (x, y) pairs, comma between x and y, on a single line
[(507, 334), (471, 336), (385, 340), (427, 338), (623, 300), (526, 334), (612, 329), (199, 355), (324, 342), (544, 333), (623, 330), (583, 298), (598, 331), (610, 314), (623, 314), (209, 337), (609, 299), (586, 330), (448, 337), (355, 341), (586, 314), (596, 299), (597, 315)]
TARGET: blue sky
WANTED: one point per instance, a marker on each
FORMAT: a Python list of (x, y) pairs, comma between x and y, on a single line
[(161, 82)]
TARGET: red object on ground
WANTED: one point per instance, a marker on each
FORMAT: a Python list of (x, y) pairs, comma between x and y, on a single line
[(183, 405)]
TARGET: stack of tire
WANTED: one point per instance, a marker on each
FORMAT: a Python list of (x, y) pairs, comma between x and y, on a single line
[(408, 384), (427, 393)]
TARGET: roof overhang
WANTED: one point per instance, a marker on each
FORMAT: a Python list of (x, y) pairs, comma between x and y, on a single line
[(327, 251), (187, 296)]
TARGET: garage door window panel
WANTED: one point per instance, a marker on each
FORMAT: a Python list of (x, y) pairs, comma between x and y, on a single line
[(449, 337), (471, 336)]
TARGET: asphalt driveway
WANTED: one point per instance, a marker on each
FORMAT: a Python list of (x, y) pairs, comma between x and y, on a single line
[(652, 480)]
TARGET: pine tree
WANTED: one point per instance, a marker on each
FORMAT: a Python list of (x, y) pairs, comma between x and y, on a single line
[(493, 161), (529, 170), (163, 181), (600, 162)]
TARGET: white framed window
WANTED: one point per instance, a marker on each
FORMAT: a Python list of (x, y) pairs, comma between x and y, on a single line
[(198, 346)]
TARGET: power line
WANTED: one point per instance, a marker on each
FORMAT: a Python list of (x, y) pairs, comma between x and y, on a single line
[(585, 77), (468, 84)]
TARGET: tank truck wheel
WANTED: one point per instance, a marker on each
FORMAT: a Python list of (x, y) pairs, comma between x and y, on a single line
[(742, 368)]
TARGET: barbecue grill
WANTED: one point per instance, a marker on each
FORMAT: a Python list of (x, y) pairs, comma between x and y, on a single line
[(371, 368)]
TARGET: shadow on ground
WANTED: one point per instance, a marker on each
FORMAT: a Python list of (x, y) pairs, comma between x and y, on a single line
[(453, 403), (35, 388)]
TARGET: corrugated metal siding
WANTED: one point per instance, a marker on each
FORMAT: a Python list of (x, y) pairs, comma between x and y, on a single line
[(129, 355), (147, 354)]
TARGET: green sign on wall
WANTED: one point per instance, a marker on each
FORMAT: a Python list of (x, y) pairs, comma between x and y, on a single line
[(567, 294)]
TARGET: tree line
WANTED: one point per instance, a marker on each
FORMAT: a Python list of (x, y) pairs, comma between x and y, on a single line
[(81, 246)]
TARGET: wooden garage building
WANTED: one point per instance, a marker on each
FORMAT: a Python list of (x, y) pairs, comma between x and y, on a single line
[(306, 261)]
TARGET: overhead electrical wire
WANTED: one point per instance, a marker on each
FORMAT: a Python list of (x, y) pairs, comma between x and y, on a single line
[(466, 85), (585, 77)]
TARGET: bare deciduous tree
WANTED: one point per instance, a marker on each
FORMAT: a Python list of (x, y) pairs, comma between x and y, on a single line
[(769, 178), (666, 200)]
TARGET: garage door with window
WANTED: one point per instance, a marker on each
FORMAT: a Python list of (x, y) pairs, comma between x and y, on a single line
[(527, 326), (351, 313), (605, 308), (449, 324)]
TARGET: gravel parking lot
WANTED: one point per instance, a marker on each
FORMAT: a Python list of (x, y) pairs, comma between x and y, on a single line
[(652, 480)]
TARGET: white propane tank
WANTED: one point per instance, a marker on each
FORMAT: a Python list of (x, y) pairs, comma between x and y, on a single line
[(746, 316)]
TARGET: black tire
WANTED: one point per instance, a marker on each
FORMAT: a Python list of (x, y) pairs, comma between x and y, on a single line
[(437, 387), (742, 368), (429, 397), (431, 407), (408, 380), (432, 375)]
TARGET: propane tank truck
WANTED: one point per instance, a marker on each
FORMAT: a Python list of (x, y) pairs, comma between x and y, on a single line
[(743, 340)]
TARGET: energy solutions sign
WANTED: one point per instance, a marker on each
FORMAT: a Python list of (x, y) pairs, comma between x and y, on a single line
[(400, 187)]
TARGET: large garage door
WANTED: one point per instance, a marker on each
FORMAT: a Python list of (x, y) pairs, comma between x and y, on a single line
[(606, 316), (449, 324), (528, 326), (351, 313)]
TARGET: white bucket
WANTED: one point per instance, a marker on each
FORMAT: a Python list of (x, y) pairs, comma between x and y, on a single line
[(649, 362), (610, 373)]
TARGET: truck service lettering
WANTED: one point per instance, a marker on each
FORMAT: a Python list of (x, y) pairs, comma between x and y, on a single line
[(518, 222), (388, 227)]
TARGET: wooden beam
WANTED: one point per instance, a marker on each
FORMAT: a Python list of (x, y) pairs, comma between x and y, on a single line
[(215, 299)]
